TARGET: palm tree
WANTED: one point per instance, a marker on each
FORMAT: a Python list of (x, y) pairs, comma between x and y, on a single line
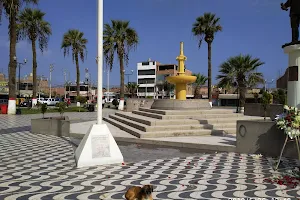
[(201, 80), (206, 27), (11, 9), (240, 69), (32, 26), (119, 38), (132, 88), (74, 39)]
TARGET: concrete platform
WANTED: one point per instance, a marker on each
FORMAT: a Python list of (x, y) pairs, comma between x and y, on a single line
[(212, 143)]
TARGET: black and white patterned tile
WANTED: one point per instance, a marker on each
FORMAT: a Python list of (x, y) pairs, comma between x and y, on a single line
[(42, 167)]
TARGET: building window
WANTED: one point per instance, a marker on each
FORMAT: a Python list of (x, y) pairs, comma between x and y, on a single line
[(146, 72), (146, 81), (153, 63), (145, 63), (143, 89)]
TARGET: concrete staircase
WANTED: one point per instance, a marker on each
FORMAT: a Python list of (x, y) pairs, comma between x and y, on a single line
[(151, 123)]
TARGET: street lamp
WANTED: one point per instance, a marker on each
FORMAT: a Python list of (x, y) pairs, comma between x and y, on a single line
[(268, 82), (51, 68), (18, 111), (128, 75)]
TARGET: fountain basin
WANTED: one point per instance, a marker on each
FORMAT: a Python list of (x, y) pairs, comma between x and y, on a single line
[(181, 79)]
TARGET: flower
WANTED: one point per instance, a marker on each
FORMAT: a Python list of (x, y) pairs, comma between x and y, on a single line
[(289, 121)]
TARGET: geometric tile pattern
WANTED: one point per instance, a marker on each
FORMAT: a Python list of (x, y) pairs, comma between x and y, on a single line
[(43, 167)]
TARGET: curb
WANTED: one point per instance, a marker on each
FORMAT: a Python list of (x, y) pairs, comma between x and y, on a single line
[(169, 143)]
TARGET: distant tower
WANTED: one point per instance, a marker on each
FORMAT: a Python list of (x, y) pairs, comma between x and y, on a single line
[(149, 59)]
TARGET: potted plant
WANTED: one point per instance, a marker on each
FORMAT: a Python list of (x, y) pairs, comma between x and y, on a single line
[(44, 108), (62, 108), (57, 126), (266, 100)]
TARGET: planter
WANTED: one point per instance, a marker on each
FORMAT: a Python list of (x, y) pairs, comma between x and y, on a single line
[(256, 109), (262, 137), (56, 126)]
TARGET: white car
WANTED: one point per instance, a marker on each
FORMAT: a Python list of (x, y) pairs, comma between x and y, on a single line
[(50, 101)]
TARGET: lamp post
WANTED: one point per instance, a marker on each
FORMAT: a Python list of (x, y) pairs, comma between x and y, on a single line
[(65, 78), (51, 68), (128, 75), (19, 84), (268, 82), (235, 84)]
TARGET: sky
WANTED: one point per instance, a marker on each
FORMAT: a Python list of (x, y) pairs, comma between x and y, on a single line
[(255, 27)]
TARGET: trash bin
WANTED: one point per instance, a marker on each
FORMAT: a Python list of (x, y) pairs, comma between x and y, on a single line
[(91, 108), (4, 108)]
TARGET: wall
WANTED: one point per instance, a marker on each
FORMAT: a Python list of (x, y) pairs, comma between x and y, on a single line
[(262, 137), (135, 104), (282, 81), (256, 109)]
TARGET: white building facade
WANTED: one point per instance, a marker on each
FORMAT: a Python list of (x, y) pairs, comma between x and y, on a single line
[(146, 78)]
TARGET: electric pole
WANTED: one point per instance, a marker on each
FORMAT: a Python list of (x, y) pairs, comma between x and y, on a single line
[(50, 78)]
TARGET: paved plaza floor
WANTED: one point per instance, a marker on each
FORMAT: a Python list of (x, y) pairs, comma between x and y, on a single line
[(35, 166)]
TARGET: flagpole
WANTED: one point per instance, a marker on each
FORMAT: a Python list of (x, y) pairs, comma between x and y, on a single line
[(100, 61)]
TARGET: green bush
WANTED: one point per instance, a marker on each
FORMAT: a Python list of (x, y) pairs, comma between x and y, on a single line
[(81, 99), (44, 109), (266, 100), (62, 108), (115, 102)]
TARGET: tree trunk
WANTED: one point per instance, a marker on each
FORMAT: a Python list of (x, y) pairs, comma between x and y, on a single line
[(122, 89), (12, 65), (77, 75), (242, 92), (196, 93), (34, 67), (209, 72)]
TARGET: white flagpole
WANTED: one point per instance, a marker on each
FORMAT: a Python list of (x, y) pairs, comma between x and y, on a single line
[(100, 61)]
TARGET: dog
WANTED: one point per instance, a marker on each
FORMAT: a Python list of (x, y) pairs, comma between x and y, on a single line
[(139, 193)]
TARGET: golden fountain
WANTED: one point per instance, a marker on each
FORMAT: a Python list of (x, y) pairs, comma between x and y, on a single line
[(181, 80)]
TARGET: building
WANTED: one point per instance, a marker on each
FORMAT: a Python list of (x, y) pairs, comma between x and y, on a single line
[(146, 78), (25, 86), (151, 77)]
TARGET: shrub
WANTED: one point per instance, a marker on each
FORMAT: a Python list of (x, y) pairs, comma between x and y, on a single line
[(81, 99), (266, 100), (44, 109), (62, 108)]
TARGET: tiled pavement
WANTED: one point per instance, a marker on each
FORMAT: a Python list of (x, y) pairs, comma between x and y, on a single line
[(42, 167)]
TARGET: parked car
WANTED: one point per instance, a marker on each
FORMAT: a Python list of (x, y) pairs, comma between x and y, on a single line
[(3, 101), (26, 103), (50, 101), (40, 100)]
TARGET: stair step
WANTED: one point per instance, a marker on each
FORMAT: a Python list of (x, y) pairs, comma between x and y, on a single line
[(192, 115), (156, 134), (224, 132), (124, 127), (134, 124), (156, 122), (187, 112), (166, 127)]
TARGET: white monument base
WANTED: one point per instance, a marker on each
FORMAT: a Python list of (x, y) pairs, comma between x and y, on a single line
[(121, 104), (34, 102), (98, 147), (12, 107), (293, 86)]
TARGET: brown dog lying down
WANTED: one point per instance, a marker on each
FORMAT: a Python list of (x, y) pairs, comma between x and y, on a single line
[(139, 193)]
